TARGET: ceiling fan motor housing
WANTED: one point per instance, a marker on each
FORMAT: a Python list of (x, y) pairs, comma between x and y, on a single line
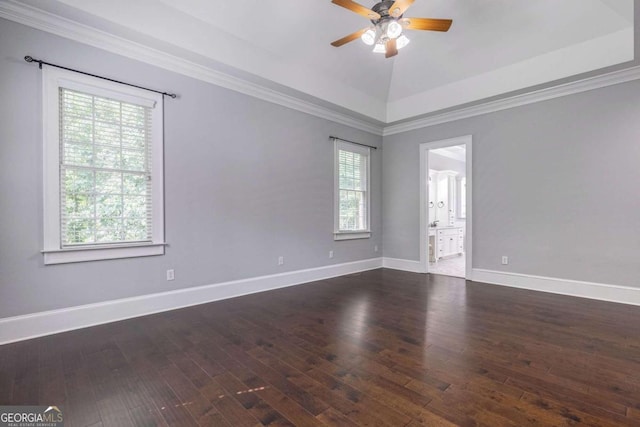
[(383, 9)]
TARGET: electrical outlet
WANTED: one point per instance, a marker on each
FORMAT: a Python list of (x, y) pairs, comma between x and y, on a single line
[(171, 275), (505, 260), (330, 254), (375, 248), (280, 260)]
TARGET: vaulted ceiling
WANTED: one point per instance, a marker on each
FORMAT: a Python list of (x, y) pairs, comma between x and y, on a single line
[(493, 47)]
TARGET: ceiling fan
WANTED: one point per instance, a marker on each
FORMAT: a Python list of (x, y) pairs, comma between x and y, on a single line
[(387, 17)]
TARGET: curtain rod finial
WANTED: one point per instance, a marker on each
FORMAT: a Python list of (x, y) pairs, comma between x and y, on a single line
[(28, 58)]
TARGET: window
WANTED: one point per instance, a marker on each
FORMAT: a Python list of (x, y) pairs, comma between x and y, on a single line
[(103, 180), (352, 191)]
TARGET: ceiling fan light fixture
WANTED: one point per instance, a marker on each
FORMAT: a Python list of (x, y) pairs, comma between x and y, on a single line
[(388, 24), (394, 29), (402, 41), (379, 48), (369, 37)]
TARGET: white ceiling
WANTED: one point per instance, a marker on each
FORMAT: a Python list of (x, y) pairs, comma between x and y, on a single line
[(493, 47), (456, 152)]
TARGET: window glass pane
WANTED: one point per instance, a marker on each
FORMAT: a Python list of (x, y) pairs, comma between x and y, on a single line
[(78, 154), (108, 205), (134, 184), (78, 181), (133, 160), (351, 170), (352, 210), (77, 104), (109, 229), (352, 185), (135, 206), (107, 134), (79, 205), (105, 164), (133, 116), (133, 138), (80, 230), (107, 110), (135, 229), (108, 157), (77, 129), (108, 183)]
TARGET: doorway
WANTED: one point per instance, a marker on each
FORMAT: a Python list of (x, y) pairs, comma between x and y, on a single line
[(445, 207)]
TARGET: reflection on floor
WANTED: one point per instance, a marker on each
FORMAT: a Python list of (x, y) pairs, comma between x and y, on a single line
[(453, 266), (377, 348)]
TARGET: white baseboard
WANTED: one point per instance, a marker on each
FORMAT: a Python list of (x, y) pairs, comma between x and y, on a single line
[(576, 288), (598, 291), (403, 264), (35, 325)]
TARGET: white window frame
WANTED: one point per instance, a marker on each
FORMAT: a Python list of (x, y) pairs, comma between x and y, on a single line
[(54, 253), (350, 234)]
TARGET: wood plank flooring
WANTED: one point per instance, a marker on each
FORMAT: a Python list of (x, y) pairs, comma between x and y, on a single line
[(381, 348)]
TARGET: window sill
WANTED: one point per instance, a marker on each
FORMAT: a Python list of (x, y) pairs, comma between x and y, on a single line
[(98, 253), (350, 235)]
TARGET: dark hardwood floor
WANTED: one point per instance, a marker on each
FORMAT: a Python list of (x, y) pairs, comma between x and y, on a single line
[(377, 348)]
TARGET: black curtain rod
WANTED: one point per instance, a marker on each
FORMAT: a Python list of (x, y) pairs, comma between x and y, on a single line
[(40, 62), (333, 138)]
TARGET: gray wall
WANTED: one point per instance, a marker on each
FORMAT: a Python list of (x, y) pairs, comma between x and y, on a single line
[(246, 181), (555, 187)]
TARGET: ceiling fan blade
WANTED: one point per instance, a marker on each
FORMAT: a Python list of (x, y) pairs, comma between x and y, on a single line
[(392, 49), (426, 24), (399, 7), (351, 37), (357, 8)]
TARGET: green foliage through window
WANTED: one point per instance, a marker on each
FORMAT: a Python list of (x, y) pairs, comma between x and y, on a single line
[(105, 170), (352, 184)]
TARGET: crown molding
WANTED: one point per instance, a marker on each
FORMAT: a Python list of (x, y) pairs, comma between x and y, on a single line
[(45, 21), (54, 24), (590, 83)]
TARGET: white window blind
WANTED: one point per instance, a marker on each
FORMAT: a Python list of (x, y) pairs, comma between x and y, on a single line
[(105, 170), (352, 192), (103, 164)]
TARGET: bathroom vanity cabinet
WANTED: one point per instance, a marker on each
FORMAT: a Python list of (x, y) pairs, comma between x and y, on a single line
[(445, 241)]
